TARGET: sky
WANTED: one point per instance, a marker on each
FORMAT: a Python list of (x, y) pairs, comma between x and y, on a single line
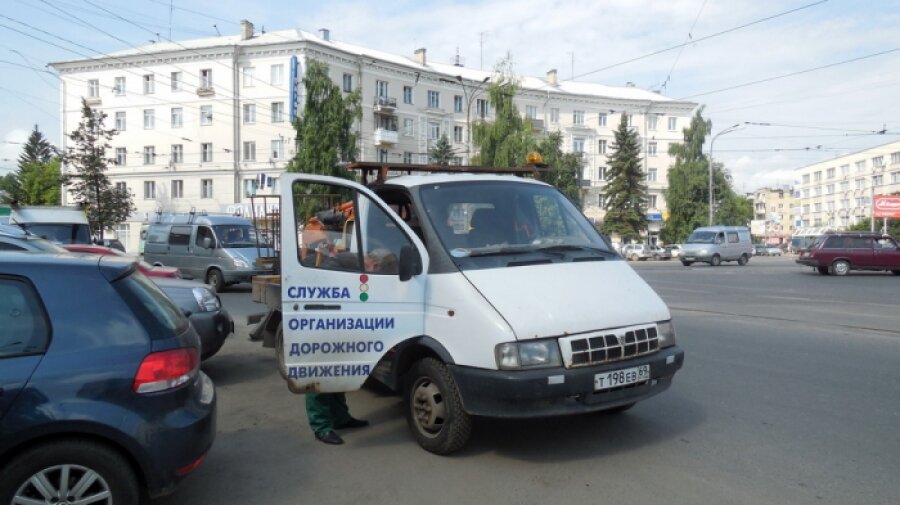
[(806, 80)]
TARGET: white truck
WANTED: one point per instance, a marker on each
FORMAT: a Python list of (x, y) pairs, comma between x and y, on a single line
[(471, 294)]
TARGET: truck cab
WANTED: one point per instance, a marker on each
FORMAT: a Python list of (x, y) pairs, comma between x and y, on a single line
[(470, 295)]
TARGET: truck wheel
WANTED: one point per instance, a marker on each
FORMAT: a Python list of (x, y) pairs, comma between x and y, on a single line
[(69, 471), (279, 352), (743, 260), (434, 410), (840, 267), (216, 280), (687, 263), (716, 260)]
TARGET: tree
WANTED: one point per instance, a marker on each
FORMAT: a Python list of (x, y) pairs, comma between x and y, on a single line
[(626, 191), (442, 152), (324, 131), (506, 141), (90, 187), (564, 168), (733, 209), (37, 179)]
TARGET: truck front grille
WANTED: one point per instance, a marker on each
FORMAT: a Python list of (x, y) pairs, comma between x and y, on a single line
[(611, 346)]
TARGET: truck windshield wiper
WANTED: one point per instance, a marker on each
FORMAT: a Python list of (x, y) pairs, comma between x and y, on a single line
[(572, 247), (493, 251)]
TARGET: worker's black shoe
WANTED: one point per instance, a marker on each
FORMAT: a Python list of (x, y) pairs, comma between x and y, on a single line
[(353, 423), (329, 437)]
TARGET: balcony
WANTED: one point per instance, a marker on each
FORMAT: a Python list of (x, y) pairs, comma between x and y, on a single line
[(385, 104), (206, 91), (537, 124), (384, 136)]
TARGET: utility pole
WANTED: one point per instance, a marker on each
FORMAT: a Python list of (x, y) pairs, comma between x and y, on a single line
[(711, 142)]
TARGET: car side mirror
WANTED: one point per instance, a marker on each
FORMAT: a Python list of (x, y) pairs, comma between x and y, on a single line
[(410, 263), (208, 243)]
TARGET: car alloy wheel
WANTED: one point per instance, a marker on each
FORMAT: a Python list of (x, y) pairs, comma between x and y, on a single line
[(840, 267)]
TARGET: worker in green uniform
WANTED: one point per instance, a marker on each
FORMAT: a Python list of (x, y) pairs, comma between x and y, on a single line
[(328, 412)]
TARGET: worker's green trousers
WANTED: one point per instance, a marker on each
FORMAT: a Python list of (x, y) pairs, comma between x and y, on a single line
[(326, 410)]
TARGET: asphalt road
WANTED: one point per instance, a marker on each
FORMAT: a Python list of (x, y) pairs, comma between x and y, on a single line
[(789, 395)]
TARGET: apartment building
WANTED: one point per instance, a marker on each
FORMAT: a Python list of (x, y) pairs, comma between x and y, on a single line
[(838, 193), (204, 124), (773, 215)]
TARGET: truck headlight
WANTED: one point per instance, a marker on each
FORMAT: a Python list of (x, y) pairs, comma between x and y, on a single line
[(206, 299), (537, 354), (239, 263), (666, 333)]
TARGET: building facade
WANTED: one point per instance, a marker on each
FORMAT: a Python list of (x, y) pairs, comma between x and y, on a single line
[(838, 193), (773, 215), (204, 124)]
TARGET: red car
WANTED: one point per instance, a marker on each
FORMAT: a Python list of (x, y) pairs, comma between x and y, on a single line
[(144, 267), (838, 253)]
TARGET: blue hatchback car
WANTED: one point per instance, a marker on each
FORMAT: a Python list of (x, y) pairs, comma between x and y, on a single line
[(101, 395)]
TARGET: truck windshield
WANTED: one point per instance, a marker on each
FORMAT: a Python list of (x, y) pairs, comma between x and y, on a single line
[(702, 237), (235, 235), (503, 218), (61, 233)]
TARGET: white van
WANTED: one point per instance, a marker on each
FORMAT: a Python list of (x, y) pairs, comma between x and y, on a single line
[(472, 295), (62, 225), (715, 244)]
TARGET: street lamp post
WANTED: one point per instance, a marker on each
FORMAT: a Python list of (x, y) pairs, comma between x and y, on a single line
[(711, 142), (468, 98)]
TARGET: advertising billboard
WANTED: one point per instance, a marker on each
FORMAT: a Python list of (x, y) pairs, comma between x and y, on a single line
[(887, 206)]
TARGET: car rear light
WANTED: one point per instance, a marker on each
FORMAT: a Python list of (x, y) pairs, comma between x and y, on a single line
[(190, 468), (164, 370)]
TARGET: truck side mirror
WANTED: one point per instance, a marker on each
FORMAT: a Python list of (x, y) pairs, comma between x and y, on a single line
[(208, 243), (410, 263)]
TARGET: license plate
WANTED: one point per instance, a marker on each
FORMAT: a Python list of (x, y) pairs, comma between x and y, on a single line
[(623, 377)]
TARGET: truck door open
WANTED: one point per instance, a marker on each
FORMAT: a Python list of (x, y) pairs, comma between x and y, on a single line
[(344, 300)]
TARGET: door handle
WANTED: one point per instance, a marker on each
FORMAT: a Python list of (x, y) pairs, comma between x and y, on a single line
[(321, 306)]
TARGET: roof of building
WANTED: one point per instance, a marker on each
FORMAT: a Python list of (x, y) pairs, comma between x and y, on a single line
[(449, 70)]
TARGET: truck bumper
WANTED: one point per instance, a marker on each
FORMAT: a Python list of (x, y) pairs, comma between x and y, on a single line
[(559, 391)]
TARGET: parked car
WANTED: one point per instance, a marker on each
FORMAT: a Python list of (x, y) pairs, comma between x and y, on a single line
[(145, 268), (773, 250), (204, 309), (838, 253), (674, 250), (103, 394), (760, 250), (636, 252), (660, 253), (112, 243), (13, 238)]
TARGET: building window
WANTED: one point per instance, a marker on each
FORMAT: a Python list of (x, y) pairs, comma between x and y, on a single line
[(250, 187), (877, 180), (651, 201), (120, 121), (249, 151), (347, 83), (149, 190), (830, 173), (277, 112), (531, 112), (673, 123), (651, 122), (249, 113), (206, 81), (860, 166), (895, 158), (878, 162), (628, 119), (206, 188), (177, 155), (276, 74), (481, 108), (602, 119), (206, 152), (651, 148), (149, 155), (845, 170), (601, 147), (382, 155), (458, 134), (119, 87), (554, 116), (121, 187), (578, 117), (93, 88), (817, 176), (149, 84), (408, 127), (601, 200), (805, 178), (176, 81), (407, 157), (434, 99), (177, 117), (277, 149), (248, 76), (205, 115), (601, 173), (178, 189), (121, 156), (407, 95), (895, 177), (457, 103), (651, 176), (434, 130), (381, 89), (829, 189), (578, 145), (149, 119)]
